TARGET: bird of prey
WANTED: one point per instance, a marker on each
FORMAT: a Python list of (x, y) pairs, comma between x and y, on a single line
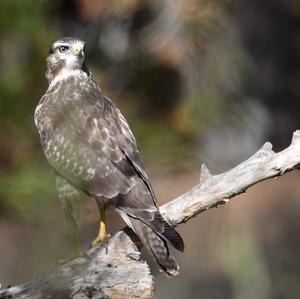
[(91, 148)]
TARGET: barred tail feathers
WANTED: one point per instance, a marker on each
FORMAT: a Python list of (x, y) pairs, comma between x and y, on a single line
[(154, 243), (169, 233)]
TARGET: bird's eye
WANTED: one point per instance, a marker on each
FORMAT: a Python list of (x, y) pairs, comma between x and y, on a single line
[(63, 49)]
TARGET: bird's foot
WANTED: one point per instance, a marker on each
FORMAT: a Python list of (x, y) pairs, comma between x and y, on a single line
[(102, 235), (103, 240), (98, 240)]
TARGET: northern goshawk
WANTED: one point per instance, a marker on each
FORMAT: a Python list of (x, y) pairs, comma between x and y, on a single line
[(91, 148)]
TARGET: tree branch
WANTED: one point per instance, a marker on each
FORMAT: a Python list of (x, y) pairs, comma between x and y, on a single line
[(217, 190), (116, 270)]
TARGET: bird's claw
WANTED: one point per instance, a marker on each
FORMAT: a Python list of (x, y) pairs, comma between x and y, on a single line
[(102, 241)]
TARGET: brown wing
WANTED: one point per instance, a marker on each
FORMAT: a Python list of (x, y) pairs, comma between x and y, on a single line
[(89, 143)]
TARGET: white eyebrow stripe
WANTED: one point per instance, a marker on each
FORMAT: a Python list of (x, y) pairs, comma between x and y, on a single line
[(56, 44), (67, 43)]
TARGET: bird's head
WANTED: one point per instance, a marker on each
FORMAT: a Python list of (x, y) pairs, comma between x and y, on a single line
[(65, 55)]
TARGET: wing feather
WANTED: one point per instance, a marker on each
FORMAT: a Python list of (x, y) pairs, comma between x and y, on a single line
[(89, 143)]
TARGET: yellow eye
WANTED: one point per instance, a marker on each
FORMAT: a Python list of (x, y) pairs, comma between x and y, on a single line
[(63, 49)]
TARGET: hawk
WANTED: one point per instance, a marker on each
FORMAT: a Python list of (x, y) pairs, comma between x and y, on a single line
[(91, 148)]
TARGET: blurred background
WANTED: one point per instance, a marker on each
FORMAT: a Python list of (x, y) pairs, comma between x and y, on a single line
[(199, 82)]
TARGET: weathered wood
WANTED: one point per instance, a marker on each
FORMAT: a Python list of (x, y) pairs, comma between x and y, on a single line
[(217, 190), (115, 269)]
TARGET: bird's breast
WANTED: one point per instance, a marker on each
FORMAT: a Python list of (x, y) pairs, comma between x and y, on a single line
[(41, 119)]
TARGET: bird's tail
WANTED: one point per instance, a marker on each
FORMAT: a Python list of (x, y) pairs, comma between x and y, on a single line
[(156, 242)]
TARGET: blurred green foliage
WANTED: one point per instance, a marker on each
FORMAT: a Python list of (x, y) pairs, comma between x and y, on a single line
[(30, 190), (24, 40)]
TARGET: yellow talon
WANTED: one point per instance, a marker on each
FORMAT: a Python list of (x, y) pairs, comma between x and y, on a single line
[(102, 227)]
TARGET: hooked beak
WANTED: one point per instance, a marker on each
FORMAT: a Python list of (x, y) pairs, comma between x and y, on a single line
[(78, 49)]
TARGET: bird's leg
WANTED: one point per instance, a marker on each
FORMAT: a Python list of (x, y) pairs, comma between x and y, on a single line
[(102, 226)]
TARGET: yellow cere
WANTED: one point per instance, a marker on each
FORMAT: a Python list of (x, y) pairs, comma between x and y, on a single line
[(78, 46)]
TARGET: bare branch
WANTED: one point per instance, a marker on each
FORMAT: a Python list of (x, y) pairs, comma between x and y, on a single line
[(217, 190), (115, 269)]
